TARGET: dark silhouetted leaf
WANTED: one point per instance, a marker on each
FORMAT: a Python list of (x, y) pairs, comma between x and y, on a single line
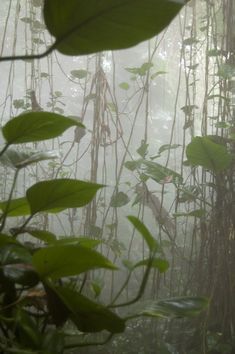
[(84, 27), (89, 316)]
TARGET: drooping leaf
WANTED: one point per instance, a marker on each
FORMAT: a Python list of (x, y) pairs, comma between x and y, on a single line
[(89, 316), (202, 151), (66, 260), (143, 149), (198, 213), (20, 159), (41, 235), (151, 242), (166, 147), (119, 199), (175, 307), (84, 27), (153, 76), (142, 70), (36, 126), (60, 193), (160, 264), (161, 174)]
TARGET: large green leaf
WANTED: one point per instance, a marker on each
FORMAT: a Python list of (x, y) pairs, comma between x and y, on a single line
[(36, 126), (89, 316), (176, 307), (68, 260), (60, 193), (83, 27), (19, 159), (17, 207), (149, 239), (202, 151)]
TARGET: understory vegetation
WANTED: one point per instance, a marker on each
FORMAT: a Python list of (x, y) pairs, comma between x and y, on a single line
[(117, 200)]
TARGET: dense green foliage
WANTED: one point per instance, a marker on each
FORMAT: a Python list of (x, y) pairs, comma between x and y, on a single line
[(42, 298)]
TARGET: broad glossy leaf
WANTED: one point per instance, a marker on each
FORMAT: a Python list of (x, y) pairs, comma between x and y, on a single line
[(175, 307), (151, 242), (17, 207), (36, 126), (202, 151), (20, 159), (161, 264), (89, 316), (119, 199), (60, 193), (68, 260), (84, 27)]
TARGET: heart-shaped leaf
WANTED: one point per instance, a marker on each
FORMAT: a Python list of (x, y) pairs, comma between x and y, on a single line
[(61, 194), (202, 151), (36, 126), (67, 260)]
